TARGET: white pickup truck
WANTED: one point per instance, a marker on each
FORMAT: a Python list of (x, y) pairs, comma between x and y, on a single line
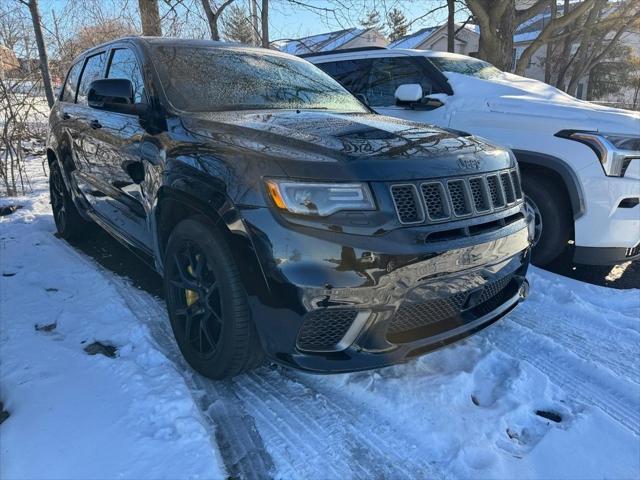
[(579, 162)]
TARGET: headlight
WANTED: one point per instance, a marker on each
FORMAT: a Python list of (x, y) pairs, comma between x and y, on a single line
[(319, 198), (615, 151)]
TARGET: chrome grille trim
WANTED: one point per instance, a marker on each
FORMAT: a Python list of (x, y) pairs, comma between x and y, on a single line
[(448, 199)]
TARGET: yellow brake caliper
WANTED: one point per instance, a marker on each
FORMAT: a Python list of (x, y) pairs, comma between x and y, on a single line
[(191, 295)]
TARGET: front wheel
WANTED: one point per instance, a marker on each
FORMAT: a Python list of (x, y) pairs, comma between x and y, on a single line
[(550, 209), (207, 302)]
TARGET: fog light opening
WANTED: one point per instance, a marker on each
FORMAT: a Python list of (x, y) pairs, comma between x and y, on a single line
[(524, 290)]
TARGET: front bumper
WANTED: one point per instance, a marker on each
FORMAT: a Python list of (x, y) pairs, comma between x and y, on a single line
[(610, 228), (339, 302)]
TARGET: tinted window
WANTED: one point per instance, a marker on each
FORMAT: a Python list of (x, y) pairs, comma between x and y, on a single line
[(210, 78), (387, 74), (70, 86), (125, 65), (352, 74), (467, 66), (93, 69)]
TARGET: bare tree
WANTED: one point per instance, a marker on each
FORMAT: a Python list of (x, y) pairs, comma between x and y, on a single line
[(589, 32), (23, 107), (451, 14), (213, 11), (264, 23), (565, 21), (150, 18), (34, 9), (498, 21)]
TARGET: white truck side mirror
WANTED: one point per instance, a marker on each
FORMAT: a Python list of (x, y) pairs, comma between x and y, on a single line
[(409, 93)]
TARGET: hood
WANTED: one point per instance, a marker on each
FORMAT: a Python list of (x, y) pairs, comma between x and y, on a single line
[(313, 144), (515, 95)]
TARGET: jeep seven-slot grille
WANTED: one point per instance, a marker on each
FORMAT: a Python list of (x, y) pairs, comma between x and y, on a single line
[(449, 199)]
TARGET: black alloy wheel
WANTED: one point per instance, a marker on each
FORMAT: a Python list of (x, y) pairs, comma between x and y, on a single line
[(195, 294), (69, 223), (207, 301)]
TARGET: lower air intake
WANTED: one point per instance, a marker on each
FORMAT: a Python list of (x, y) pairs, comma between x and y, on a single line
[(323, 330)]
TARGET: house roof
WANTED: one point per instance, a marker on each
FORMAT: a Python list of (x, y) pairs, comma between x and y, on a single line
[(323, 42), (416, 39)]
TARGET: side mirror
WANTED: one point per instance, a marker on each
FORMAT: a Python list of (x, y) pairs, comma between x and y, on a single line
[(408, 93), (114, 95)]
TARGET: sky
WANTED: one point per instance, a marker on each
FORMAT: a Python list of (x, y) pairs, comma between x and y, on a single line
[(289, 20)]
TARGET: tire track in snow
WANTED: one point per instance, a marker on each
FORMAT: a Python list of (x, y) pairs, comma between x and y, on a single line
[(587, 383), (233, 431), (616, 349), (371, 450)]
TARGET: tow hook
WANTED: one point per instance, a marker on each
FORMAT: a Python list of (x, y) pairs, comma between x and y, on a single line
[(524, 290)]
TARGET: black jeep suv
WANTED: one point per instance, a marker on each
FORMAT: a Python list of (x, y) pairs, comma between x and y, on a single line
[(284, 216)]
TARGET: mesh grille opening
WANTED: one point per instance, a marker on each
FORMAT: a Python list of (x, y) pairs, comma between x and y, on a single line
[(457, 191), (479, 195), (420, 320), (434, 199), (406, 202), (507, 186), (322, 330), (495, 191)]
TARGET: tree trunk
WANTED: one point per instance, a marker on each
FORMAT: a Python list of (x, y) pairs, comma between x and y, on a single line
[(264, 17), (451, 26), (254, 22), (42, 51), (150, 18), (496, 46), (550, 46), (212, 19)]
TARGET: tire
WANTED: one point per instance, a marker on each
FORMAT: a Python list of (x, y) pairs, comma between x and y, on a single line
[(69, 223), (207, 302), (549, 203)]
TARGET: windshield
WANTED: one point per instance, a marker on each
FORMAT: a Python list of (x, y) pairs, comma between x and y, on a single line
[(217, 79), (466, 66)]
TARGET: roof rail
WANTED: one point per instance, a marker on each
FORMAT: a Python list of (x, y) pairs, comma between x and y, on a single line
[(346, 50)]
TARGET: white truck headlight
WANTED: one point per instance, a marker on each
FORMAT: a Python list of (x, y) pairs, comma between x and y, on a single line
[(615, 151), (320, 199)]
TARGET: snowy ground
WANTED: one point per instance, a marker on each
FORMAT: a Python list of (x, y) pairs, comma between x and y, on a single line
[(571, 352)]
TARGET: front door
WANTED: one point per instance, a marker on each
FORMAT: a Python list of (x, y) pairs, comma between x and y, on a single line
[(387, 74), (110, 148)]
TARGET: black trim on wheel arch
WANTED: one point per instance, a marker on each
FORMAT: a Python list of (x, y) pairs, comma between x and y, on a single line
[(568, 176)]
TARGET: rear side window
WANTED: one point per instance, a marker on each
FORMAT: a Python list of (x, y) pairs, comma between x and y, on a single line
[(125, 65), (387, 74), (93, 69), (71, 85)]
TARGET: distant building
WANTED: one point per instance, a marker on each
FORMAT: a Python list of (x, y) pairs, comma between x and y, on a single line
[(339, 40), (8, 61), (435, 38)]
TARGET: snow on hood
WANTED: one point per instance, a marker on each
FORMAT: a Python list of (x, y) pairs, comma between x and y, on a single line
[(512, 94)]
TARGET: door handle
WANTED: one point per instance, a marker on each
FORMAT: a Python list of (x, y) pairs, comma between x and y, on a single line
[(95, 124)]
